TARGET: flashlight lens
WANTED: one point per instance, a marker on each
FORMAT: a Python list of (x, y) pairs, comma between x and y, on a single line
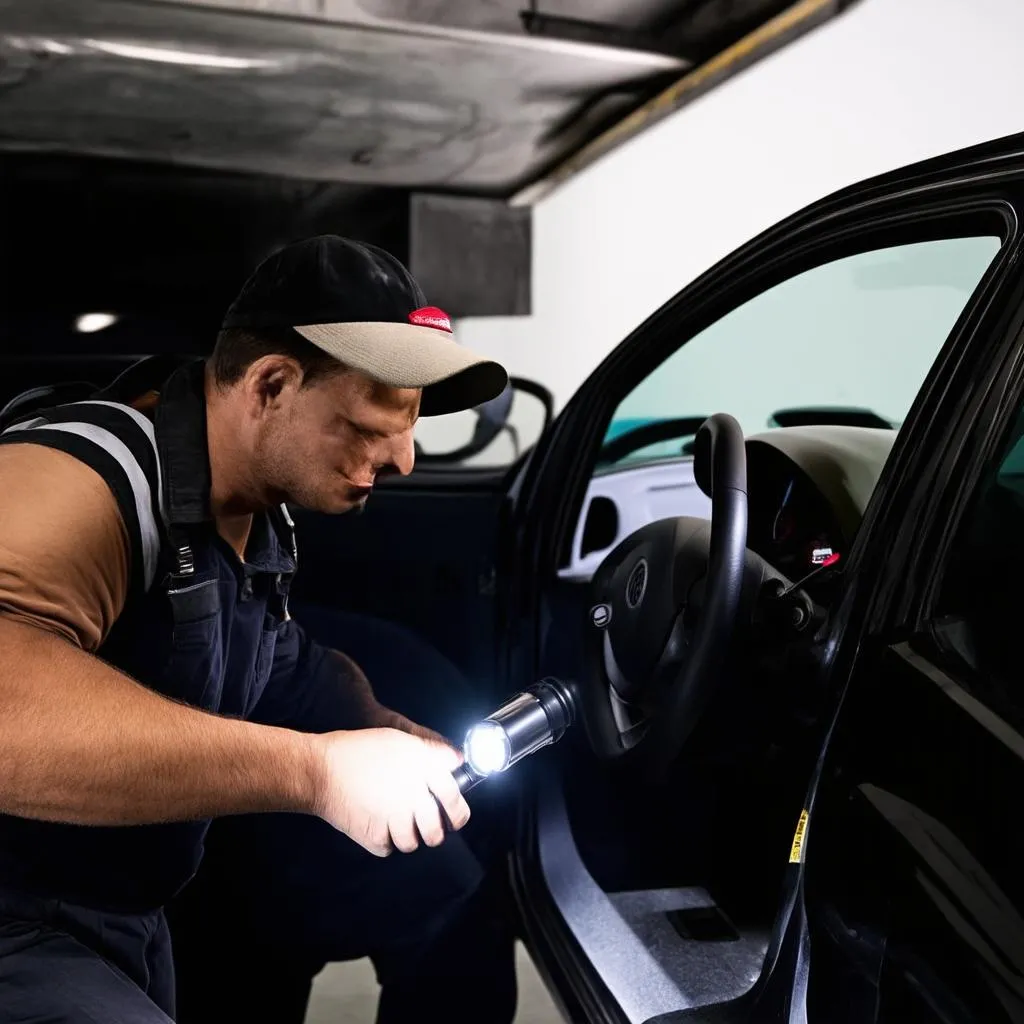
[(487, 748)]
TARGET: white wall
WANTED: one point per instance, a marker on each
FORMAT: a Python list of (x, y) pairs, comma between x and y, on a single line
[(885, 84)]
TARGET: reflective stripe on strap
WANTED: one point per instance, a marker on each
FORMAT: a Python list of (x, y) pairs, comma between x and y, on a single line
[(145, 490)]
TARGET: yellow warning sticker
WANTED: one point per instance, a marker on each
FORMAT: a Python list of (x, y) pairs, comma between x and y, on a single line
[(796, 853)]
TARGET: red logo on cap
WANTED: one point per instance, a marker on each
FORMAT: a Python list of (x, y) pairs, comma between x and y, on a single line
[(431, 316)]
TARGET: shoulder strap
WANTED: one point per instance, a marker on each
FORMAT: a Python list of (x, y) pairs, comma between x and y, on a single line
[(119, 443), (282, 520), (28, 403)]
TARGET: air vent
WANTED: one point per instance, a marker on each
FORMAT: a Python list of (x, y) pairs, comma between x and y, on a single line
[(601, 526)]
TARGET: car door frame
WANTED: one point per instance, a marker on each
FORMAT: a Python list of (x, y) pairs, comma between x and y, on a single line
[(909, 540), (547, 500)]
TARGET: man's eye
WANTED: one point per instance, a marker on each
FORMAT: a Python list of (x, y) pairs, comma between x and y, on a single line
[(363, 432)]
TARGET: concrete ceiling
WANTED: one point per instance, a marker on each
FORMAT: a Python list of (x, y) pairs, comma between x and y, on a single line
[(152, 151), (474, 96)]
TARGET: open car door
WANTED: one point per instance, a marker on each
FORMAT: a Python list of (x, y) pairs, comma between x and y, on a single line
[(659, 853)]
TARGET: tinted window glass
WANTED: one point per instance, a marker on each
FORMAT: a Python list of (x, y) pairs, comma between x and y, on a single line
[(849, 341)]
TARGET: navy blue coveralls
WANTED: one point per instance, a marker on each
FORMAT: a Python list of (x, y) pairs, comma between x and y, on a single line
[(83, 932)]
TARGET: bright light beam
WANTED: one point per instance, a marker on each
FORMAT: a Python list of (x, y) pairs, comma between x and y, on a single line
[(90, 323)]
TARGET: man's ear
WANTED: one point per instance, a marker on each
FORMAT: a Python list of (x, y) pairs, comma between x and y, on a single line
[(268, 380)]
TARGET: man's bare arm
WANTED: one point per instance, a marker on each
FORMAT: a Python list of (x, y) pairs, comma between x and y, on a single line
[(82, 743)]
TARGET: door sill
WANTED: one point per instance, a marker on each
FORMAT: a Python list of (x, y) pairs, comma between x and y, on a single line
[(639, 954)]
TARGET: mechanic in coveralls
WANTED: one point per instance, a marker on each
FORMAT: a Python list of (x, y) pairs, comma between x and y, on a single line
[(153, 679)]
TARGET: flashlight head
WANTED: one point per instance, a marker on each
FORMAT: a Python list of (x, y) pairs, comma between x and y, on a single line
[(487, 748), (524, 723)]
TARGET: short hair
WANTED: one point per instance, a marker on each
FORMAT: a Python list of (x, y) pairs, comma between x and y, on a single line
[(237, 348)]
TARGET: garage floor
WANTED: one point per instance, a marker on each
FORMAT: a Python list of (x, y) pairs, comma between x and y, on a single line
[(347, 994)]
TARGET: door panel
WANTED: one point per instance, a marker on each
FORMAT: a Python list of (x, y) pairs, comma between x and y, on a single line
[(914, 890), (914, 860), (422, 555)]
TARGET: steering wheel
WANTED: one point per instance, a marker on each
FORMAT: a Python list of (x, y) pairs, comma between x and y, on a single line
[(667, 602)]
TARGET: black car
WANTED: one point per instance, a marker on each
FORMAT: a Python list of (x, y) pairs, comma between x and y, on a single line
[(786, 794)]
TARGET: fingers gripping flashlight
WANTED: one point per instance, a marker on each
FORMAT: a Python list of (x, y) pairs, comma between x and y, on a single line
[(528, 721)]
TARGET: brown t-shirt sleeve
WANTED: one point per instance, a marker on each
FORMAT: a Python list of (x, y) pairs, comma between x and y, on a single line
[(64, 550)]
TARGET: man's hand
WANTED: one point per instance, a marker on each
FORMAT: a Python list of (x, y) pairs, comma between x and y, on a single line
[(382, 787)]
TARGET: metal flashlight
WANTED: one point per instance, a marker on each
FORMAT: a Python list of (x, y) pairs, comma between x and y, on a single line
[(526, 722)]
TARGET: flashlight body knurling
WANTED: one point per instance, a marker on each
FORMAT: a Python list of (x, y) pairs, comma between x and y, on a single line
[(532, 719)]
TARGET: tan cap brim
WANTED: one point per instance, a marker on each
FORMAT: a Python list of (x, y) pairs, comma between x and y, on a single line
[(411, 356)]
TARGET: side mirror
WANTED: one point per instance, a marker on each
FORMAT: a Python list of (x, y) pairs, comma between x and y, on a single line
[(445, 445)]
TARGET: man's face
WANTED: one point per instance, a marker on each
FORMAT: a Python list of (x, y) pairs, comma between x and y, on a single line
[(322, 446)]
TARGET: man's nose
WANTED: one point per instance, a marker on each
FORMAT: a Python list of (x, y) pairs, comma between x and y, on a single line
[(403, 454)]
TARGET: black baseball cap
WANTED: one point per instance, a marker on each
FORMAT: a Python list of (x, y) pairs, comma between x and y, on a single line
[(362, 306)]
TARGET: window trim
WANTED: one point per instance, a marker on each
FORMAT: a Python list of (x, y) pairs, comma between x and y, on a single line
[(1004, 411), (973, 450)]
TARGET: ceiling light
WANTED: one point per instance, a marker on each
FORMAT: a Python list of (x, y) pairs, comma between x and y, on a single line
[(39, 44), (89, 323), (188, 58)]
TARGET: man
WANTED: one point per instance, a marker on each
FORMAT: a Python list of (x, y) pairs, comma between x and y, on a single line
[(153, 677)]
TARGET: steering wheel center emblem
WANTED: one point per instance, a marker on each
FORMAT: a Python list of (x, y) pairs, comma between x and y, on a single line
[(636, 585)]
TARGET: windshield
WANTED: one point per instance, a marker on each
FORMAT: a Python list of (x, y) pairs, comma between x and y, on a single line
[(849, 341)]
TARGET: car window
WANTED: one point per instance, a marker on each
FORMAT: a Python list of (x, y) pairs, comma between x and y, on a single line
[(847, 342), (850, 341)]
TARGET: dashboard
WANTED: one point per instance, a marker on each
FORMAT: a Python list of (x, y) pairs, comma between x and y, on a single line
[(789, 522), (808, 488)]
